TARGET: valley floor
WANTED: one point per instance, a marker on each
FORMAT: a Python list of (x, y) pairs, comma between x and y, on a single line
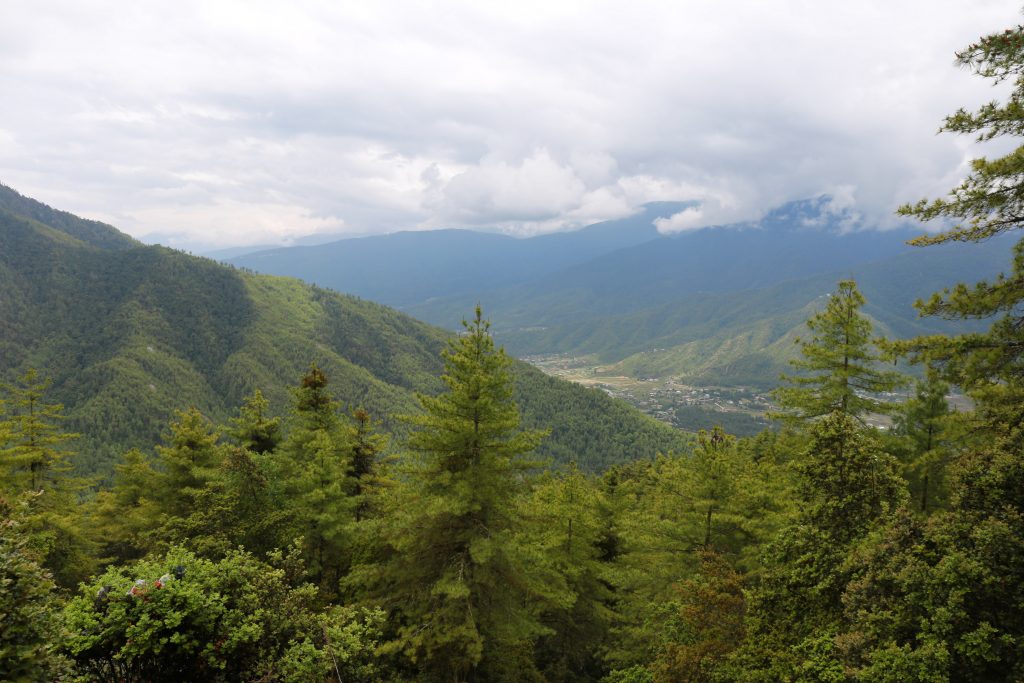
[(740, 410)]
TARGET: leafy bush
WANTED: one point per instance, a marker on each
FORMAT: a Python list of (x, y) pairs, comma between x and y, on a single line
[(181, 617)]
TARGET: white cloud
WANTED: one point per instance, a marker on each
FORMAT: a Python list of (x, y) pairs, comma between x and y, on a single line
[(523, 117), (493, 191), (8, 144), (690, 218), (210, 226)]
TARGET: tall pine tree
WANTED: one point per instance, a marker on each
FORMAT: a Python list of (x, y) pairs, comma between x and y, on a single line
[(32, 452), (941, 599), (464, 592), (313, 479)]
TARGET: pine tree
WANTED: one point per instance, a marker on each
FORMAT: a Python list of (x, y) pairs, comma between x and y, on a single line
[(706, 623), (126, 516), (939, 599), (922, 422), (840, 366), (28, 605), (253, 429), (35, 466), (990, 201), (312, 467), (186, 463), (31, 440), (364, 471), (465, 593), (564, 520), (716, 499)]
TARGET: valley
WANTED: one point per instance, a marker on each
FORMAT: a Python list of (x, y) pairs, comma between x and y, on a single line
[(739, 410)]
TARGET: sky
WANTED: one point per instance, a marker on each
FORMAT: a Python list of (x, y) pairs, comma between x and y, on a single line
[(207, 124)]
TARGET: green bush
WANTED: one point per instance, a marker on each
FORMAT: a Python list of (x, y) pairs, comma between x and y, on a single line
[(181, 617)]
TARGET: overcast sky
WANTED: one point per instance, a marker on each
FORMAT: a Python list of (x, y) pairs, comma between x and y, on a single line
[(206, 124)]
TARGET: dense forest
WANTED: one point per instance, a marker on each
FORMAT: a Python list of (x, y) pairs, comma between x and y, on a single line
[(300, 545)]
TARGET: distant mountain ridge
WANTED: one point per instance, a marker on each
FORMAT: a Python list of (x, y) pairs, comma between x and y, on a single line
[(746, 337), (798, 240), (408, 268), (722, 305)]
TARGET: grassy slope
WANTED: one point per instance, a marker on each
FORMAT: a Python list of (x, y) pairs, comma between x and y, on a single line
[(131, 333)]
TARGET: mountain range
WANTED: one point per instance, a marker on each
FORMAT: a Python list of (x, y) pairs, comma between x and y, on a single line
[(131, 333), (404, 269)]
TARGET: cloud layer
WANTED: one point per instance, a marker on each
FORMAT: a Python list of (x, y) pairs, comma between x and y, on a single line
[(205, 124)]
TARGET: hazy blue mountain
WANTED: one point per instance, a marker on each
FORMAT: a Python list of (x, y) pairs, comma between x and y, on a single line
[(229, 253), (407, 268), (722, 305), (798, 240)]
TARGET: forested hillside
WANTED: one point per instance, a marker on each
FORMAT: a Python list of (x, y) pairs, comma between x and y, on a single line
[(746, 338), (115, 324)]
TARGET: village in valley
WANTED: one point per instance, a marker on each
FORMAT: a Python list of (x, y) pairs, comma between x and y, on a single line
[(740, 410)]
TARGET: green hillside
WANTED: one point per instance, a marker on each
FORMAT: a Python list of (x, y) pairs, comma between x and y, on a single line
[(131, 333), (93, 232)]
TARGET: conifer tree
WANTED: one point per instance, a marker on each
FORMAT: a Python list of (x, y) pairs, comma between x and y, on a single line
[(31, 440), (922, 422), (464, 592), (126, 516), (706, 623), (35, 467), (990, 201), (839, 364), (940, 599), (564, 520), (364, 471), (312, 465), (253, 429), (186, 463), (716, 500), (28, 609)]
